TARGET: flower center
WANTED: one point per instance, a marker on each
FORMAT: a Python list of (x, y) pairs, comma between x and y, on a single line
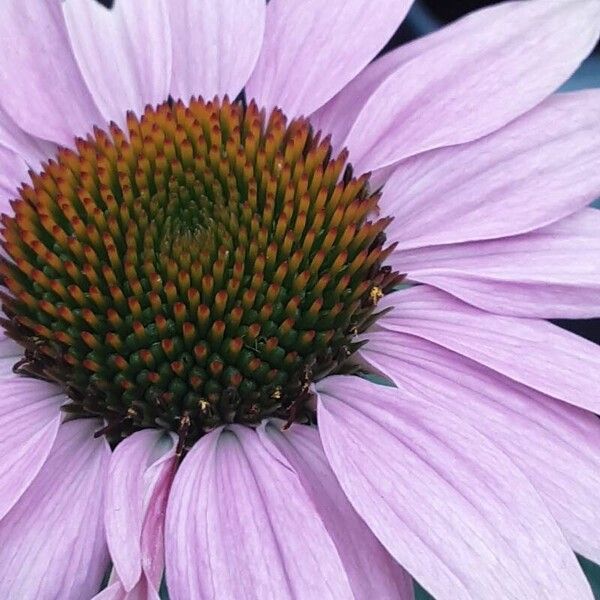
[(202, 269)]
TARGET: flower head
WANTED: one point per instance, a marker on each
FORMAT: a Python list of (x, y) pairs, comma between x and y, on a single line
[(222, 226)]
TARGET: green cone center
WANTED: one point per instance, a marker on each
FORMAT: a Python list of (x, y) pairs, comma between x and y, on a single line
[(203, 267)]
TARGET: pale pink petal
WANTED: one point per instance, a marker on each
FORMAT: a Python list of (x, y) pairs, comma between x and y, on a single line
[(245, 523), (9, 349), (312, 49), (215, 45), (158, 479), (549, 273), (124, 54), (371, 570), (41, 86), (337, 116), (29, 419), (31, 149), (464, 86), (131, 494), (10, 354), (555, 444), (13, 172), (53, 542), (533, 352), (142, 591), (447, 503), (535, 171)]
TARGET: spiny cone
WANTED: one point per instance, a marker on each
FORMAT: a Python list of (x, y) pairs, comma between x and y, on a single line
[(202, 269)]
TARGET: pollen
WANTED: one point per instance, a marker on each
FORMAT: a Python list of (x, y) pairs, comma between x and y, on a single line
[(203, 266)]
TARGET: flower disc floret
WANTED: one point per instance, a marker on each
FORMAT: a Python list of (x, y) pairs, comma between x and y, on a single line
[(204, 267)]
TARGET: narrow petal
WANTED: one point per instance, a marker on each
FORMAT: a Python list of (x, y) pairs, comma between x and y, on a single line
[(535, 171), (124, 54), (447, 503), (244, 521), (215, 45), (462, 86), (158, 479), (371, 570), (36, 62), (555, 444), (312, 49), (29, 419), (549, 273), (53, 539), (530, 351), (13, 172), (130, 494)]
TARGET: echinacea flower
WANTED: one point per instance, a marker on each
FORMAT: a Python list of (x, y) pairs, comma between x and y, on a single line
[(201, 296)]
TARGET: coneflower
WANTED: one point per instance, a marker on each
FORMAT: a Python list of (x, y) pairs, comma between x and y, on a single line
[(273, 315)]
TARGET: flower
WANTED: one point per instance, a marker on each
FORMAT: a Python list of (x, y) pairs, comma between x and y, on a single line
[(194, 292)]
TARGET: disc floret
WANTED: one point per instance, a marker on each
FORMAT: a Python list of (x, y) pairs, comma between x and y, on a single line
[(204, 267)]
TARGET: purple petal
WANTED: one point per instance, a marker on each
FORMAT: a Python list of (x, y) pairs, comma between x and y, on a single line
[(53, 539), (124, 54), (29, 419), (245, 523), (549, 273), (312, 49), (447, 503), (371, 570), (215, 45), (530, 351), (43, 90), (130, 494), (532, 173), (463, 85), (555, 444)]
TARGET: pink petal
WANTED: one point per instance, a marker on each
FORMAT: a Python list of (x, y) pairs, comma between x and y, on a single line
[(42, 88), (533, 172), (549, 273), (142, 591), (463, 85), (337, 116), (31, 149), (131, 495), (530, 351), (158, 479), (124, 54), (312, 49), (555, 444), (215, 45), (371, 570), (447, 503), (29, 419), (245, 523), (13, 172), (10, 353), (53, 538)]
